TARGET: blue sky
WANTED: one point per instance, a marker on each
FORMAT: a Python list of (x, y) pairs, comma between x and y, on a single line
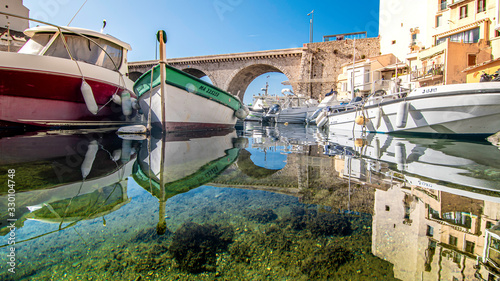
[(207, 27)]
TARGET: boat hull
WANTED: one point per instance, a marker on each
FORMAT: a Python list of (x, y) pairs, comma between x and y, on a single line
[(465, 112), (185, 111), (45, 91), (294, 115)]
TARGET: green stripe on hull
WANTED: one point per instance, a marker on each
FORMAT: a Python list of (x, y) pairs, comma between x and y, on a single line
[(186, 82), (205, 174)]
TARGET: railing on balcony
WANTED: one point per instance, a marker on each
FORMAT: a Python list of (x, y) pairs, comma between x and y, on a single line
[(428, 72)]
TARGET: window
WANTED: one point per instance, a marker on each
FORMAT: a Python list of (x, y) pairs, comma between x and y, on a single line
[(463, 12), (387, 208), (393, 42), (452, 240), (481, 6), (469, 36), (442, 5), (489, 224), (471, 59), (439, 20), (430, 231), (469, 247)]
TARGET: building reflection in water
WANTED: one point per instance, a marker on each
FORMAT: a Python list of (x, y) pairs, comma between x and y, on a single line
[(436, 206)]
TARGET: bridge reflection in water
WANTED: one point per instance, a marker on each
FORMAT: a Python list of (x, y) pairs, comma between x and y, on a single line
[(279, 202)]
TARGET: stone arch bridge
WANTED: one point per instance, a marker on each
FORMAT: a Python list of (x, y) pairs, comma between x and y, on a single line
[(311, 70)]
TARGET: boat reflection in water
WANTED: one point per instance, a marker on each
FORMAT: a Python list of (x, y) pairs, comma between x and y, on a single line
[(437, 207), (281, 203), (176, 163), (64, 176)]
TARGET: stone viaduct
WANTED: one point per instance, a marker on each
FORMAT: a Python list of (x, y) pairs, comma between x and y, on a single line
[(311, 70)]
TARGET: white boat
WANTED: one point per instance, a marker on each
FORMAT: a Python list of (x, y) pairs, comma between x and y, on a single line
[(260, 105), (179, 101), (66, 76), (295, 109), (465, 109), (437, 163)]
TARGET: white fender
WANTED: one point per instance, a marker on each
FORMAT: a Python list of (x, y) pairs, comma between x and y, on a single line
[(116, 155), (126, 103), (400, 155), (88, 161), (377, 148), (322, 122), (378, 117), (402, 114), (320, 116), (135, 104), (242, 112), (88, 97), (116, 99), (126, 150)]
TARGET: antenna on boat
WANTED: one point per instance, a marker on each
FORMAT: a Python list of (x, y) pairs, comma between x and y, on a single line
[(103, 25), (77, 12)]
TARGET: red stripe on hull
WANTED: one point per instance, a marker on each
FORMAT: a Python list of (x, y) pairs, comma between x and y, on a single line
[(53, 86), (50, 113), (187, 127)]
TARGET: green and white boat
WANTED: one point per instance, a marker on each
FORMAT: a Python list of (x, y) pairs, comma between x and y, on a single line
[(190, 103)]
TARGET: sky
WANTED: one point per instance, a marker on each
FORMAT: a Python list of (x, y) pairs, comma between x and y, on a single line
[(209, 27)]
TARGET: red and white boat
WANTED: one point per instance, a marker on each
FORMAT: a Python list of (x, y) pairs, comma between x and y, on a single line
[(66, 76)]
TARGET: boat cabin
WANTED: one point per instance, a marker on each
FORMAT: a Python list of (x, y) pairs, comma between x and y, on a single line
[(93, 47)]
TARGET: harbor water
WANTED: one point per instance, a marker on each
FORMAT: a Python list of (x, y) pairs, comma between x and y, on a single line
[(283, 202)]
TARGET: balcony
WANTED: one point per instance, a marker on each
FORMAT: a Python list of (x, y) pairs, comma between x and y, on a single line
[(433, 72)]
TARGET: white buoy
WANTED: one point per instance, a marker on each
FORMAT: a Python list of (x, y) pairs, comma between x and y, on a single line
[(402, 114), (126, 103), (378, 117), (88, 97), (88, 161)]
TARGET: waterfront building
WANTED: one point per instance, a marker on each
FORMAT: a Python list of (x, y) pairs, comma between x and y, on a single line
[(451, 41), (371, 75), (12, 37)]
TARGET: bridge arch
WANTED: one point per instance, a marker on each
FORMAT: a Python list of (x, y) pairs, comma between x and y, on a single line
[(241, 79), (198, 73)]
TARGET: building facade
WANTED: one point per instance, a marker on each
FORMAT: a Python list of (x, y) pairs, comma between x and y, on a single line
[(11, 28), (451, 41)]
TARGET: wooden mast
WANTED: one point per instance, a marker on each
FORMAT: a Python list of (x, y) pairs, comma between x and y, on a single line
[(162, 37)]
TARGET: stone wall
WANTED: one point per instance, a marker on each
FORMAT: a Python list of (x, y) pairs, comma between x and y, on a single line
[(322, 63), (312, 70)]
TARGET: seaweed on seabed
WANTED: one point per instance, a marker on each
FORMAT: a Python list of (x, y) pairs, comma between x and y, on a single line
[(318, 224), (261, 215), (324, 262), (195, 246)]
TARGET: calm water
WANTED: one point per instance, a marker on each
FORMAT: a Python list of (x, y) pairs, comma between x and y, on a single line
[(263, 203)]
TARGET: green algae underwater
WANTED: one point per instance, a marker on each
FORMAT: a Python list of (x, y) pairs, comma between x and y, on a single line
[(118, 223)]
